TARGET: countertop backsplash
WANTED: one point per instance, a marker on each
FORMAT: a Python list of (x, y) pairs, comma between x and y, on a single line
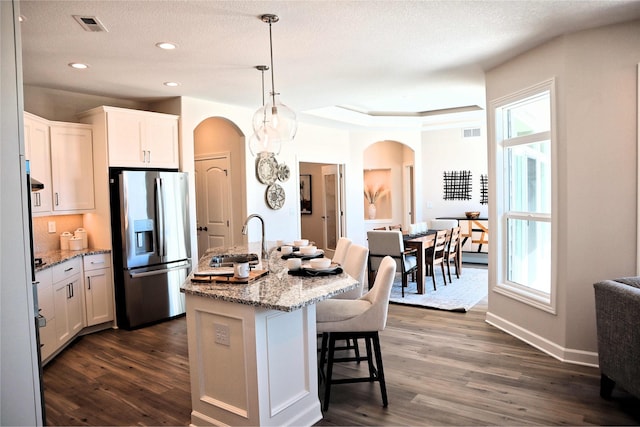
[(44, 241)]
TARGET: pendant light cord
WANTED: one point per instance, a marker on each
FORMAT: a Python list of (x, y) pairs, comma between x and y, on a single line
[(273, 89)]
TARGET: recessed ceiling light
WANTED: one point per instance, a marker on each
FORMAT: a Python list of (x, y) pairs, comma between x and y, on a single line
[(166, 45), (78, 65), (171, 84)]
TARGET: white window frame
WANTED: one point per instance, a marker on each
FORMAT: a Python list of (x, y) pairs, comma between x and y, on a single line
[(497, 151)]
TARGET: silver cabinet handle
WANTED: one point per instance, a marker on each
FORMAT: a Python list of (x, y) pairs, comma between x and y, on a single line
[(56, 199), (89, 282), (156, 272)]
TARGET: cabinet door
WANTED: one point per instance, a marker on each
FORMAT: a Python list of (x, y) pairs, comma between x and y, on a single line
[(48, 341), (36, 139), (125, 136), (67, 303), (161, 137), (99, 296), (72, 168)]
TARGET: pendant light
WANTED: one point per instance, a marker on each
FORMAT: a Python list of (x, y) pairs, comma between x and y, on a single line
[(274, 119), (264, 139)]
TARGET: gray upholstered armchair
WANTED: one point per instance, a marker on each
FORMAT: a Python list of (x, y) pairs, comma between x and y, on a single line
[(618, 324)]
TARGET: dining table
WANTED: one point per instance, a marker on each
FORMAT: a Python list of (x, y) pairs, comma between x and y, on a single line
[(421, 242)]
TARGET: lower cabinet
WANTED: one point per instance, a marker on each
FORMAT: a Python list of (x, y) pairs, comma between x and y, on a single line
[(71, 296), (68, 300), (98, 288), (48, 341)]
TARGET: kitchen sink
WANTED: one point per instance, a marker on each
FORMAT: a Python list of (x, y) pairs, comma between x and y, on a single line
[(227, 260)]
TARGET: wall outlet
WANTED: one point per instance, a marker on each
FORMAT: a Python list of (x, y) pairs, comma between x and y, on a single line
[(52, 226), (222, 334)]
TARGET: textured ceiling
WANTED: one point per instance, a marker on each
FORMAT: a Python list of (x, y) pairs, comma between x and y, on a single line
[(384, 57)]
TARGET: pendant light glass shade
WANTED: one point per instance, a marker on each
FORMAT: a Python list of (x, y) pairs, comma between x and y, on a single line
[(264, 140), (280, 119)]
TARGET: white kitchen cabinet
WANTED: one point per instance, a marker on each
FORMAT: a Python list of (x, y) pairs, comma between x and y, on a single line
[(71, 167), (68, 300), (137, 138), (98, 292), (36, 140), (48, 341)]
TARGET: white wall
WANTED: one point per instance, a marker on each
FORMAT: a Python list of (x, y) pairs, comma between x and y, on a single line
[(446, 150), (595, 74)]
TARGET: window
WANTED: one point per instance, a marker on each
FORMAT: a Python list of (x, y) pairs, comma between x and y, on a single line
[(524, 171)]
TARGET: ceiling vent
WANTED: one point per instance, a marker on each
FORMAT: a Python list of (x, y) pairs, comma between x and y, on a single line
[(470, 132), (90, 23)]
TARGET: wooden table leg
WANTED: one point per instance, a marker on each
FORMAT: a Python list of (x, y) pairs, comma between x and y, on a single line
[(420, 272)]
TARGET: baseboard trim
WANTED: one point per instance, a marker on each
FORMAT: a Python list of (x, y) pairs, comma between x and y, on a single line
[(577, 357)]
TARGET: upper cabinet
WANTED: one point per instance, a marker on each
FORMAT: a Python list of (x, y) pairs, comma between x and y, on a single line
[(71, 167), (61, 157), (135, 138), (36, 141)]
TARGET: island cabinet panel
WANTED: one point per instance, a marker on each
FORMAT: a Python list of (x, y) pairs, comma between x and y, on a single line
[(251, 365), (72, 167), (37, 151), (98, 288)]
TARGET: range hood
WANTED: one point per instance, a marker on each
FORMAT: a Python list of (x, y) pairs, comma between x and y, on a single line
[(36, 185)]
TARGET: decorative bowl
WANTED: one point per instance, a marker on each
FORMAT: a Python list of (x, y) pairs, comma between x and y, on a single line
[(301, 242), (320, 263), (308, 250), (472, 215)]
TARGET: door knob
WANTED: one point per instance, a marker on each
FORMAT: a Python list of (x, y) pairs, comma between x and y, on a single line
[(202, 229)]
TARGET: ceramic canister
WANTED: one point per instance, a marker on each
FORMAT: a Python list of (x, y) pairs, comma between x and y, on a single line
[(64, 240), (82, 233), (75, 243)]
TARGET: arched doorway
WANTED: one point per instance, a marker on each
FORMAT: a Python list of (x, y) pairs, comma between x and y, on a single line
[(389, 187), (219, 149)]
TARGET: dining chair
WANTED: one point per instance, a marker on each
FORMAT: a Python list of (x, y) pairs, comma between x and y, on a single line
[(341, 250), (437, 255), (339, 319), (453, 251), (381, 228), (383, 243), (396, 227)]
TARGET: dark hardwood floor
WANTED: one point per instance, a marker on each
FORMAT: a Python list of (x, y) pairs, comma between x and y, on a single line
[(441, 368)]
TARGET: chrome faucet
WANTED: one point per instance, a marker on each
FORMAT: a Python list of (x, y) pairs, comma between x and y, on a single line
[(264, 242)]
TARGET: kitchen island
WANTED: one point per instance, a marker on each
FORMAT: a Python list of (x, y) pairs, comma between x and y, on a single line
[(252, 347)]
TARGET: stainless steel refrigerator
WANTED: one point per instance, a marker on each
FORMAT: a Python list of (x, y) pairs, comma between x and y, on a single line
[(150, 231)]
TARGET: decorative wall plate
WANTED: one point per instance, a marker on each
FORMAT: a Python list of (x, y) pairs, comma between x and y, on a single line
[(267, 169), (275, 196), (283, 172)]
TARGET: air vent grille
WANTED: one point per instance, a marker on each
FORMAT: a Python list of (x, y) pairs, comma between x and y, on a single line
[(470, 132), (90, 23)]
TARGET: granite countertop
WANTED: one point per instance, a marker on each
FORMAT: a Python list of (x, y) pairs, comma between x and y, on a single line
[(51, 258), (278, 290)]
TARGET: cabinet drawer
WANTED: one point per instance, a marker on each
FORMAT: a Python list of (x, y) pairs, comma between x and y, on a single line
[(96, 261), (67, 269)]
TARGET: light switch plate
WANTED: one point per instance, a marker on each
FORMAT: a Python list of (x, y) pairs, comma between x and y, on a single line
[(52, 226)]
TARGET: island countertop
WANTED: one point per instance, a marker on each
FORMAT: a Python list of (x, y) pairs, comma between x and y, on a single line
[(278, 290)]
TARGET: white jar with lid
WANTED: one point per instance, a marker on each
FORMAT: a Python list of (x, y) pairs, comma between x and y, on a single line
[(82, 233), (64, 240), (75, 243)]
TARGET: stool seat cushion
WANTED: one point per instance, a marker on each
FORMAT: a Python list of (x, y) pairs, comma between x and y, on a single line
[(337, 310)]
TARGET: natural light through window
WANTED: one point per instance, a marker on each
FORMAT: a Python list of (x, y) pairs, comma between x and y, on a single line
[(524, 146)]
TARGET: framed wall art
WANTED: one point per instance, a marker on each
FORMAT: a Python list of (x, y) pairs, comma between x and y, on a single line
[(305, 194)]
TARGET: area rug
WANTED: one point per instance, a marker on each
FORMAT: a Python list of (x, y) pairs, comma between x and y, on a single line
[(460, 295)]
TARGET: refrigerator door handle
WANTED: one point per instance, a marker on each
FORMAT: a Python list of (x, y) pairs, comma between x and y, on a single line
[(160, 217), (157, 272)]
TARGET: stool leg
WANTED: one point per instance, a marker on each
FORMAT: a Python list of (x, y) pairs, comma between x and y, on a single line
[(323, 355), (372, 368), (383, 386), (327, 387)]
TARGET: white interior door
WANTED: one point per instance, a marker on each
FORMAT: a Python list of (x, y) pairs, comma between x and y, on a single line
[(213, 203), (332, 213)]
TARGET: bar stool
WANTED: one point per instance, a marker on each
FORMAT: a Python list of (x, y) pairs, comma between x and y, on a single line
[(340, 319)]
